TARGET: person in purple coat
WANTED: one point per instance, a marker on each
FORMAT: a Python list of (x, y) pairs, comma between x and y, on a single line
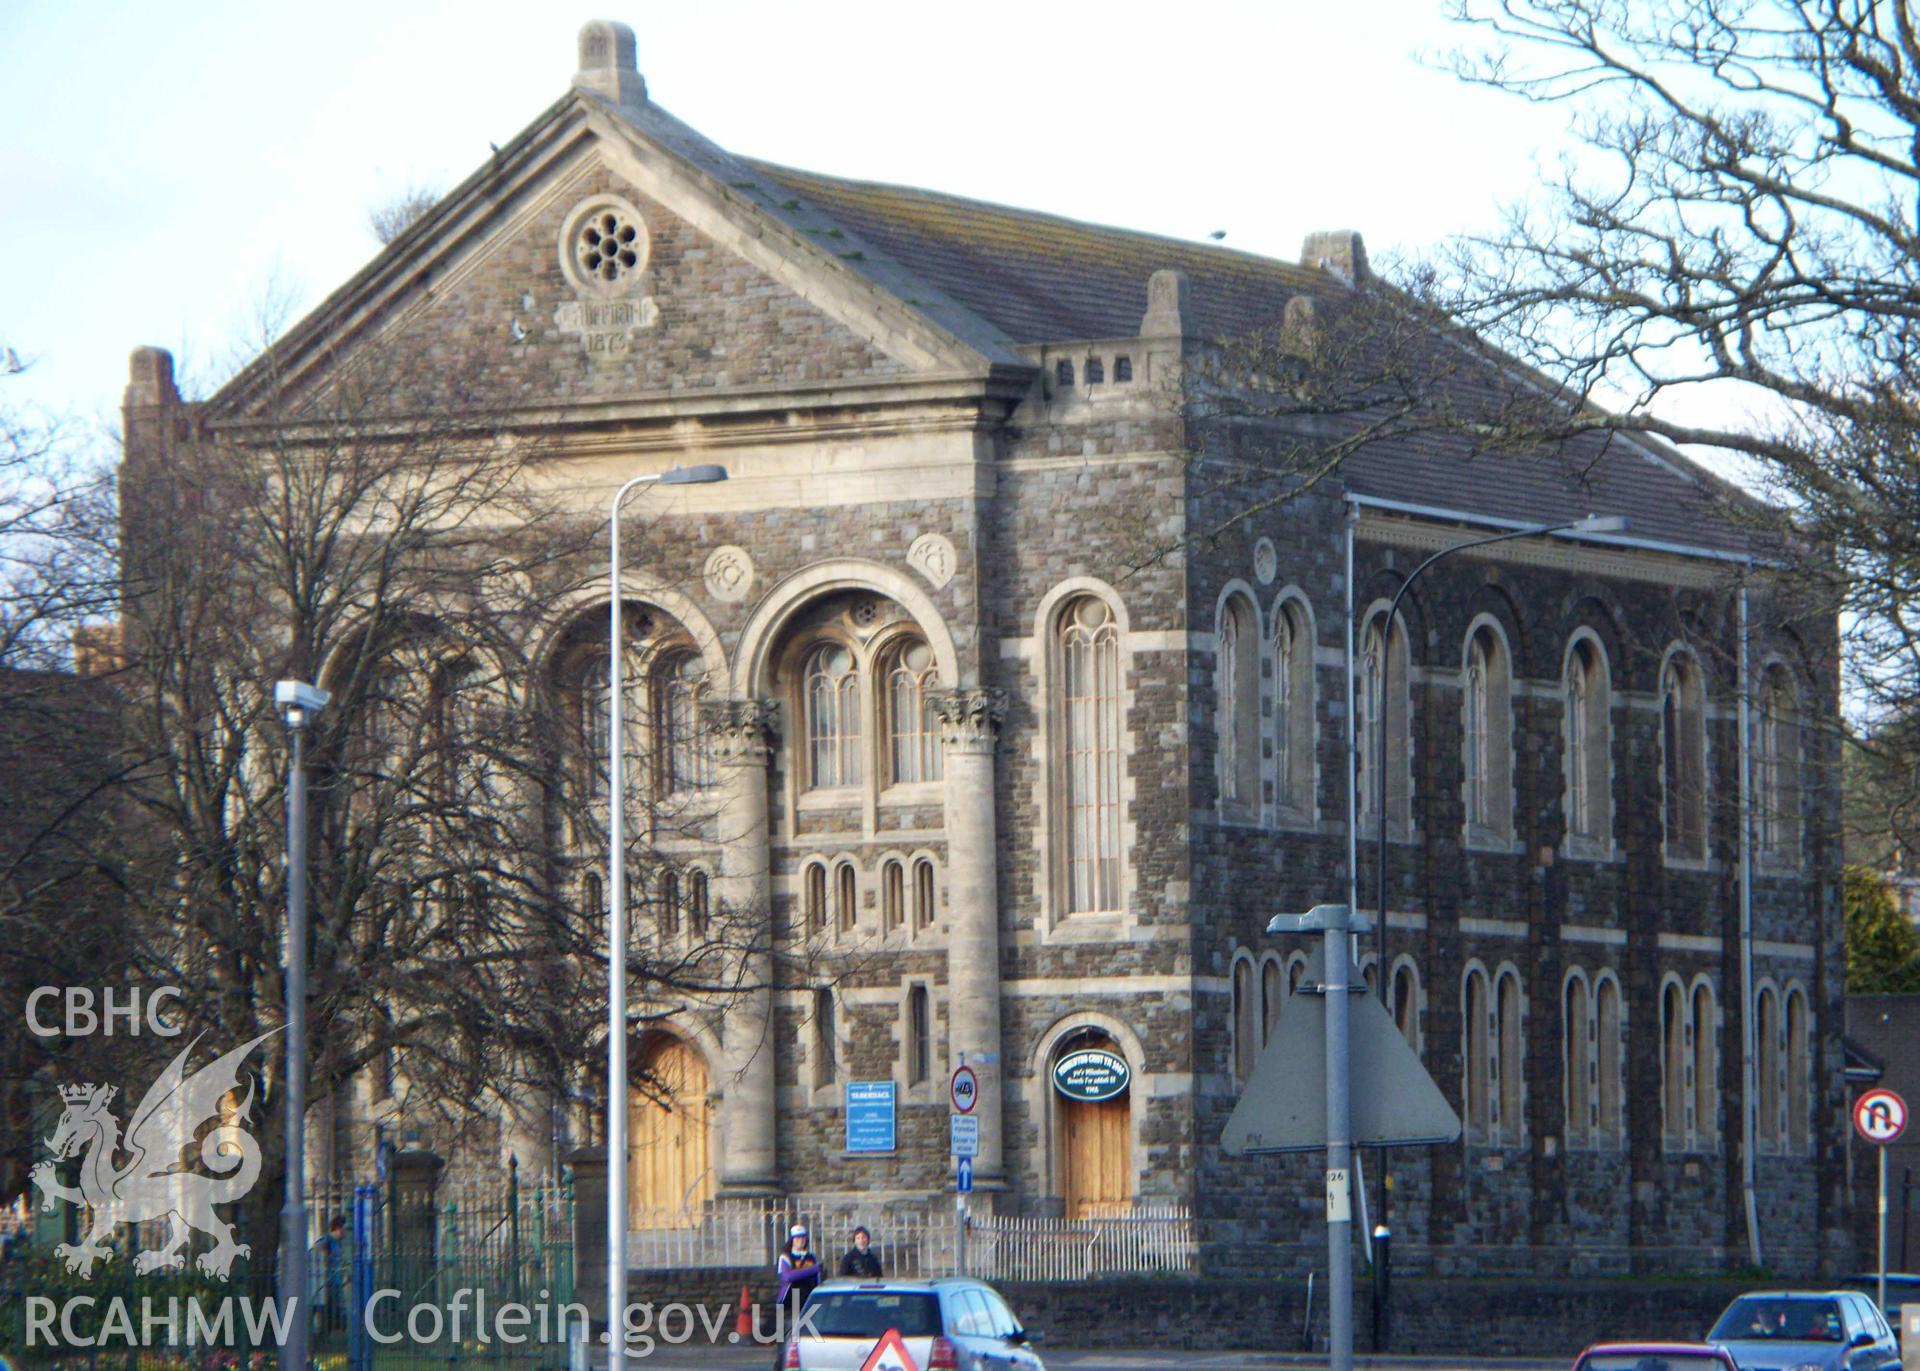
[(799, 1268)]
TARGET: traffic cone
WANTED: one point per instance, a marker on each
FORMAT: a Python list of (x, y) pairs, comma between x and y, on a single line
[(743, 1322)]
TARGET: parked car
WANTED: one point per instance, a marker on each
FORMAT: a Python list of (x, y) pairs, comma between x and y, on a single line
[(1902, 1288), (1801, 1330), (947, 1325), (1654, 1356)]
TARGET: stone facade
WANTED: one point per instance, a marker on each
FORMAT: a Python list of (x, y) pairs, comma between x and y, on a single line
[(1538, 1200), (919, 491)]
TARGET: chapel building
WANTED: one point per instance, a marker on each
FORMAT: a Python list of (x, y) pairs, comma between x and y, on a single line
[(1009, 688)]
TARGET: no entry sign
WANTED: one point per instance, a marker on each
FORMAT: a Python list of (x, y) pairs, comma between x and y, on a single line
[(1880, 1116)]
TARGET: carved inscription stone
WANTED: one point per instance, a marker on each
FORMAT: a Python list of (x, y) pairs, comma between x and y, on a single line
[(934, 558), (606, 328), (729, 574)]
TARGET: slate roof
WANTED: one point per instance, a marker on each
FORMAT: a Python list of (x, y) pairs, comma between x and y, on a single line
[(1042, 278), (1668, 499)]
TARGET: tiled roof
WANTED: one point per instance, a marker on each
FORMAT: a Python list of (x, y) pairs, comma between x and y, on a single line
[(1041, 278)]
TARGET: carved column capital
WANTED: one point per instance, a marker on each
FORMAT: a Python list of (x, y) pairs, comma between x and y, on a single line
[(742, 730), (969, 717)]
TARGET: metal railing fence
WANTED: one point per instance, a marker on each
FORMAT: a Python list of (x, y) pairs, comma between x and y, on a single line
[(921, 1241)]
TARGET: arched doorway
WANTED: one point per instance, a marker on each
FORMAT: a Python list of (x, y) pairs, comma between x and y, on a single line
[(669, 1177), (1095, 1124)]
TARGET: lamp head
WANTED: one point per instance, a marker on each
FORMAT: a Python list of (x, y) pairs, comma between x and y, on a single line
[(300, 695), (1601, 523), (703, 474), (299, 700), (1322, 918)]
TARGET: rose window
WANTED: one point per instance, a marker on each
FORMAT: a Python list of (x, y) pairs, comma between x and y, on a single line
[(608, 247)]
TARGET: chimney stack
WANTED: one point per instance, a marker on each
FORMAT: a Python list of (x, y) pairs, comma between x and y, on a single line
[(608, 63), (150, 406), (1340, 251)]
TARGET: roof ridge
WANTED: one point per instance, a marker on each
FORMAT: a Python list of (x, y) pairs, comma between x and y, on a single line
[(779, 170)]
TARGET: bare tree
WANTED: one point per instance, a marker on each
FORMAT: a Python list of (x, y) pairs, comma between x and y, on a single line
[(407, 559), (394, 216), (60, 920), (1729, 259)]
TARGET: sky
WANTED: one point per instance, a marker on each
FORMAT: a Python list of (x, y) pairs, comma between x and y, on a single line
[(173, 174)]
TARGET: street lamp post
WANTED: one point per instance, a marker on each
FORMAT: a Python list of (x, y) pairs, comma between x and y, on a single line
[(616, 1096), (298, 702), (1592, 523)]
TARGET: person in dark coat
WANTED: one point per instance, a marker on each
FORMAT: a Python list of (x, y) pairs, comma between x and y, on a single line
[(334, 1274), (861, 1261)]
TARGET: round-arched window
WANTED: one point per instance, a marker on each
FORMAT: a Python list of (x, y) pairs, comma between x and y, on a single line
[(832, 716)]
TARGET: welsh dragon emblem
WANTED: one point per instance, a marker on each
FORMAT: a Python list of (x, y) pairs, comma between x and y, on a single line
[(154, 1181)]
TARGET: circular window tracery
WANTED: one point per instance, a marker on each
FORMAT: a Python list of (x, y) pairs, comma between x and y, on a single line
[(607, 247), (604, 246)]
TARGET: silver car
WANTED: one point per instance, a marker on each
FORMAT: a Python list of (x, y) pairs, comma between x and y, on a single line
[(1798, 1330), (946, 1325)]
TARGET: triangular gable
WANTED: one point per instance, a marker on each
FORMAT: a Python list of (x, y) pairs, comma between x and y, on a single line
[(730, 290), (788, 237)]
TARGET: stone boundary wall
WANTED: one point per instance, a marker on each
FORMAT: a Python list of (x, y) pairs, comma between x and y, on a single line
[(1532, 1318)]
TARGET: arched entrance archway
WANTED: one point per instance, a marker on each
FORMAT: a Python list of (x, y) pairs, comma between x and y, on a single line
[(1095, 1136), (669, 1174)]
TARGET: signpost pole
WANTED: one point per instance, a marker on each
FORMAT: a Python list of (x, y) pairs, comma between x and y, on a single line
[(1339, 1155), (1335, 923), (1882, 1293), (963, 1092), (1880, 1117)]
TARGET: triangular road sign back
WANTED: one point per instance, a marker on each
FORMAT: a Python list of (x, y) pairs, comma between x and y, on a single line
[(890, 1354), (1393, 1101)]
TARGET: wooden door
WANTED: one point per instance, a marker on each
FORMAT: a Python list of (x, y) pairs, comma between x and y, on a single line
[(668, 1176), (1098, 1152)]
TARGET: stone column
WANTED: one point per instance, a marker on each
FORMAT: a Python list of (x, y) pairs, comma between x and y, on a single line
[(742, 738), (969, 724)]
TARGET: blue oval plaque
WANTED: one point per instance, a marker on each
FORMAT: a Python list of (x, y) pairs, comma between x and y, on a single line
[(1091, 1075)]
